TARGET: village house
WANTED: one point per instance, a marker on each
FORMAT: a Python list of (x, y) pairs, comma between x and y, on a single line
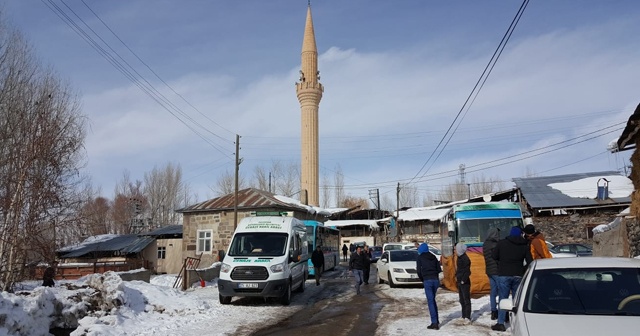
[(208, 226)]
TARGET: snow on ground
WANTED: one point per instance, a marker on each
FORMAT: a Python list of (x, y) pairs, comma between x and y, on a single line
[(103, 304)]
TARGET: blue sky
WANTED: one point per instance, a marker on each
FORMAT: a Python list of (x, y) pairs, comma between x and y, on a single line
[(395, 73)]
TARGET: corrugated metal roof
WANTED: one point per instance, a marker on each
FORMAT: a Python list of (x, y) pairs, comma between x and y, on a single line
[(538, 194), (130, 243), (627, 139), (247, 198), (137, 245), (166, 230)]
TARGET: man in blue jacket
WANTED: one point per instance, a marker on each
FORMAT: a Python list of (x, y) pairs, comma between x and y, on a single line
[(428, 268)]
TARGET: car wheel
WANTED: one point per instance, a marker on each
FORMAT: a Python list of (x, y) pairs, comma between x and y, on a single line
[(285, 300), (391, 283), (224, 299), (302, 285)]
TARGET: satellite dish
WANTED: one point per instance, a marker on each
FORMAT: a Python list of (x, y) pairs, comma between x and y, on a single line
[(486, 198)]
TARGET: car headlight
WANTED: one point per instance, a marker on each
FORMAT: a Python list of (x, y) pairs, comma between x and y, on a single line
[(398, 270), (225, 268), (277, 268)]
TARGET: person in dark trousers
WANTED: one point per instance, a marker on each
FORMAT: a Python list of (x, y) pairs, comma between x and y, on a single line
[(317, 259), (345, 250), (428, 268), (48, 276), (491, 268), (463, 275), (513, 256), (352, 248), (367, 265), (356, 265)]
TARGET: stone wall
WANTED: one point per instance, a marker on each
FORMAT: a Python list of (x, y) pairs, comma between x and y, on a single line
[(572, 228), (222, 226), (633, 232)]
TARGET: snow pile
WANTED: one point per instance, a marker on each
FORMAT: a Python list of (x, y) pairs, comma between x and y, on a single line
[(618, 186), (606, 227)]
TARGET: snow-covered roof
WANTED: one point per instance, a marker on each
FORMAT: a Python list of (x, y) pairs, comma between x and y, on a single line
[(310, 208), (89, 241), (372, 223), (426, 213), (575, 190)]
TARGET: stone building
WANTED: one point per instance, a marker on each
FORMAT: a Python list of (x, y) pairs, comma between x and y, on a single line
[(208, 226), (629, 140), (565, 208)]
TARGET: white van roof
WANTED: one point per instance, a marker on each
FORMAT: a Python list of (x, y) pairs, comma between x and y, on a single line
[(270, 223)]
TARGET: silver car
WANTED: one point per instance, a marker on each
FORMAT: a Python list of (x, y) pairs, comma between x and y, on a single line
[(577, 296)]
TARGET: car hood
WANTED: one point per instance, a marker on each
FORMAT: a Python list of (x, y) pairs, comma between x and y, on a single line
[(583, 325), (403, 264)]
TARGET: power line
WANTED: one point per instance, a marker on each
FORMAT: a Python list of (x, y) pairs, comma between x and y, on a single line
[(158, 76), (487, 71), (147, 88)]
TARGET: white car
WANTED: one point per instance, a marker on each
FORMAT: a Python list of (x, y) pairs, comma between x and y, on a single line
[(577, 296), (397, 246), (550, 246), (398, 267)]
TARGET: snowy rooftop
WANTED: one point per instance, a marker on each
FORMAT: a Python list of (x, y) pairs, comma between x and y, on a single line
[(575, 190)]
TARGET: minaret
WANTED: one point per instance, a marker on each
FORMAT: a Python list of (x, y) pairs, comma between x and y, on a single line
[(309, 92)]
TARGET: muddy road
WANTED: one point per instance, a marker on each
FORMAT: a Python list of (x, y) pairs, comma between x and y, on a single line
[(334, 309)]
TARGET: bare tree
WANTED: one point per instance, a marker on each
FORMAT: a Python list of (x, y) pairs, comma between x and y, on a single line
[(262, 178), (130, 206), (226, 183), (352, 202), (409, 196), (338, 180), (41, 152), (163, 189), (325, 188), (482, 185)]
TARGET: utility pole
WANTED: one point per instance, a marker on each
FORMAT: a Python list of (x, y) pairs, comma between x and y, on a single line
[(235, 201), (398, 212), (374, 195)]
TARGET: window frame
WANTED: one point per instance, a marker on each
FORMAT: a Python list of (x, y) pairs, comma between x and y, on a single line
[(204, 240), (162, 252)]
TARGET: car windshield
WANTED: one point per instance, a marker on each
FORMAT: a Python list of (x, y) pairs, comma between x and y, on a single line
[(474, 231), (403, 255), (258, 244), (585, 291)]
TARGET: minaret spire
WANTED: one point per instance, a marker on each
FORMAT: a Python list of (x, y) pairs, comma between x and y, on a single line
[(309, 92)]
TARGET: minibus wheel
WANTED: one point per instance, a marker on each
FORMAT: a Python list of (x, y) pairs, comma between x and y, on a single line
[(286, 297), (302, 284), (224, 299)]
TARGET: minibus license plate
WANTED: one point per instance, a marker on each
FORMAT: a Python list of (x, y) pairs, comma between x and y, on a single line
[(248, 285)]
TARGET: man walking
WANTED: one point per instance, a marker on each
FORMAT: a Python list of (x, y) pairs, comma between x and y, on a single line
[(428, 269), (356, 265), (317, 259), (345, 249), (367, 264), (513, 256)]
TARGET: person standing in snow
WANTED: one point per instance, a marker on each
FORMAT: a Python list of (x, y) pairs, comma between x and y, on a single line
[(428, 269), (463, 275), (317, 259), (513, 256), (356, 265), (491, 268), (48, 276), (537, 243), (345, 249)]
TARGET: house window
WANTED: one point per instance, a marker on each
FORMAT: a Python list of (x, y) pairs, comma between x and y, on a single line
[(162, 252), (204, 241)]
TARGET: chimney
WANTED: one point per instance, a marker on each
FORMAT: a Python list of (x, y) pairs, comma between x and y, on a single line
[(603, 189)]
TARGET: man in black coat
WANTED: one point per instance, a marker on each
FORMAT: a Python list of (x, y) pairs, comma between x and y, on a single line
[(367, 264), (513, 256), (356, 265), (491, 268), (317, 259)]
